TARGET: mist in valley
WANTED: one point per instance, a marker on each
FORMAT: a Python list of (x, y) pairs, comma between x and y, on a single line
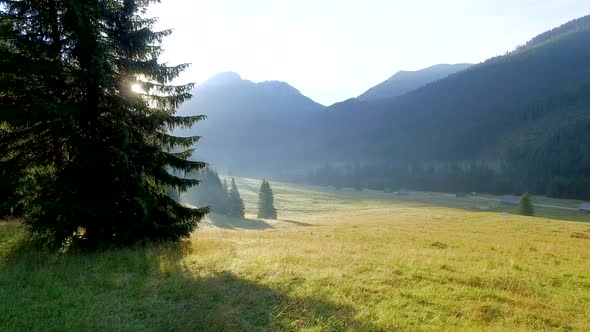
[(294, 165)]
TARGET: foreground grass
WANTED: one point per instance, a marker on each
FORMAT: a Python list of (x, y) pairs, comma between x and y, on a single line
[(334, 262)]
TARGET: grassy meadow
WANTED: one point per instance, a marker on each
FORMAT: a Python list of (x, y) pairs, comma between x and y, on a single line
[(334, 261)]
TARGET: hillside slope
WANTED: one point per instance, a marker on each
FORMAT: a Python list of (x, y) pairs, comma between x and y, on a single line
[(459, 116), (520, 119), (405, 81)]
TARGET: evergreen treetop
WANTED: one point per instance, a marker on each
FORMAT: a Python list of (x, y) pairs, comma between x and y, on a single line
[(525, 207), (266, 208), (236, 204)]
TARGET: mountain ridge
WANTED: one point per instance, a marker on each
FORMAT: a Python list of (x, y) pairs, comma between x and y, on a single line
[(405, 81), (486, 113)]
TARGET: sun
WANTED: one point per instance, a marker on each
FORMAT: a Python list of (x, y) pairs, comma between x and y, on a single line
[(136, 87)]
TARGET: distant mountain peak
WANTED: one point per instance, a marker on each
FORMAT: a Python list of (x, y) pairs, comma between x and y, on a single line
[(220, 82), (279, 86), (224, 78)]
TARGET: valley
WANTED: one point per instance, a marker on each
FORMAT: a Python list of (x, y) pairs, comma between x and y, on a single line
[(160, 170), (336, 260)]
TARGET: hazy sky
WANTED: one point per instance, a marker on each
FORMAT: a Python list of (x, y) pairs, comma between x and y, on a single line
[(332, 50)]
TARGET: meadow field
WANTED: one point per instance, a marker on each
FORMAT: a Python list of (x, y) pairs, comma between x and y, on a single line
[(336, 260)]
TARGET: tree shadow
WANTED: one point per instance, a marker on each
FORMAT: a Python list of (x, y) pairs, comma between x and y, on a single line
[(227, 222), (297, 223), (153, 289)]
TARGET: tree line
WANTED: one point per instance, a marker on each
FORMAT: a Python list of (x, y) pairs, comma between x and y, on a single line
[(493, 178), (224, 199)]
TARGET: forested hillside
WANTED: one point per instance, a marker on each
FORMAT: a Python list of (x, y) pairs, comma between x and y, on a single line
[(523, 117)]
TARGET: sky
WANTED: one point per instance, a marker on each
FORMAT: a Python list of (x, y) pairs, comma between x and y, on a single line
[(332, 50)]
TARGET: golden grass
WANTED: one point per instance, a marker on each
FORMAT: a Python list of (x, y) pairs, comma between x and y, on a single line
[(338, 261), (402, 264), (400, 268)]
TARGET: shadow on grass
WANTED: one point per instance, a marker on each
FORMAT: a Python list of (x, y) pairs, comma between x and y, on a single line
[(149, 289), (297, 223), (227, 222)]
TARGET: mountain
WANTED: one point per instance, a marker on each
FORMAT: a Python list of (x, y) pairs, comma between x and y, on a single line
[(464, 115), (247, 123), (514, 123), (526, 115), (405, 81)]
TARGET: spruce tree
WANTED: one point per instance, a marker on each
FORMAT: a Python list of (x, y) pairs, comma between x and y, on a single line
[(217, 191), (266, 207), (211, 192), (97, 156), (9, 177), (525, 207), (8, 187), (225, 186), (225, 198), (236, 204)]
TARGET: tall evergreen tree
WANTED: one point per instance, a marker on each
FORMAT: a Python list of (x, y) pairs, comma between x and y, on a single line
[(525, 207), (97, 156), (8, 187), (9, 177), (266, 208), (210, 192), (225, 186), (217, 191), (236, 204)]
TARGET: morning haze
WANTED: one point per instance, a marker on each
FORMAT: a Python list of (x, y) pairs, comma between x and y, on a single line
[(332, 50), (339, 165)]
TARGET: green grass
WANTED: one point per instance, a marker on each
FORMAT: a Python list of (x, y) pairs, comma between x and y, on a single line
[(334, 261)]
